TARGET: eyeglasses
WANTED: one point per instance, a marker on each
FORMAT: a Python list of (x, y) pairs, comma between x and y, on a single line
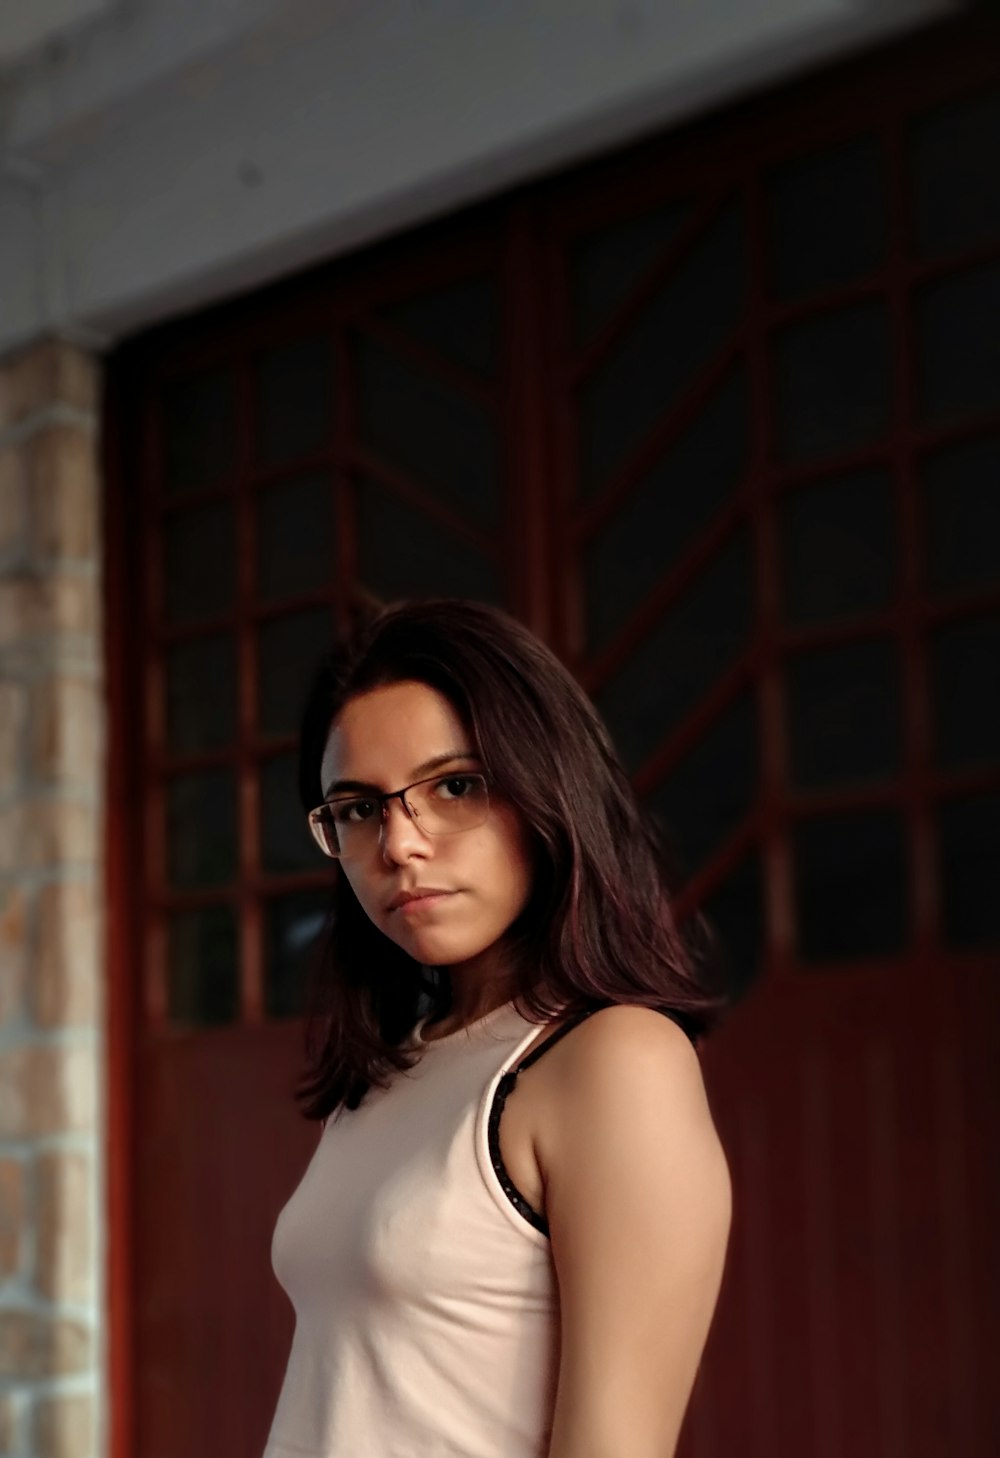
[(442, 805)]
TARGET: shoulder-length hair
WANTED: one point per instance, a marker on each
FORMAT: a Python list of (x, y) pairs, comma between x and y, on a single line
[(599, 927)]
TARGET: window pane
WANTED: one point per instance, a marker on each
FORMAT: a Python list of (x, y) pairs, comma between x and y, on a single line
[(844, 714), (959, 344), (288, 653), (684, 655), (965, 691), (294, 400), (605, 266), (403, 553), (838, 548), (199, 564), (672, 504), (712, 788), (199, 431), (736, 913), (850, 873), (674, 337), (292, 930), (826, 216), (201, 828), (833, 383), (442, 439), (286, 841), (954, 175), (295, 538), (962, 516), (203, 981), (460, 321), (200, 693), (969, 849)]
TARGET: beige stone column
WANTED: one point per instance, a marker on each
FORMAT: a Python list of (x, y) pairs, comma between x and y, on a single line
[(51, 780)]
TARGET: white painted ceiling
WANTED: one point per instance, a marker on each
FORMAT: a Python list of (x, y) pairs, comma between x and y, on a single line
[(163, 154), (27, 24)]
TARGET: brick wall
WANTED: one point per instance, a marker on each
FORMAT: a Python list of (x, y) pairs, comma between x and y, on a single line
[(51, 776)]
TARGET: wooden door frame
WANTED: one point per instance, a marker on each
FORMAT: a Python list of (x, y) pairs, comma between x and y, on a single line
[(927, 68)]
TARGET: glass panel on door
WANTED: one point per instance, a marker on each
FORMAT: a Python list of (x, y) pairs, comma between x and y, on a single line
[(826, 216), (200, 693), (961, 488), (837, 544), (696, 640), (443, 439), (968, 833), (661, 354), (605, 266), (293, 924), (698, 473), (404, 552), (461, 321), (851, 885), (201, 828), (845, 714), (289, 649), (833, 383), (199, 564), (954, 175), (296, 544), (711, 789), (958, 344), (199, 431), (295, 400), (203, 966), (735, 910), (964, 663), (287, 844)]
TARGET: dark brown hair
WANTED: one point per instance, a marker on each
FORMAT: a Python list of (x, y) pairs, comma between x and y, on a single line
[(599, 927)]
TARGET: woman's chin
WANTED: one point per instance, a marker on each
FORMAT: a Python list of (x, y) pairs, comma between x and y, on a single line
[(432, 952), (440, 951)]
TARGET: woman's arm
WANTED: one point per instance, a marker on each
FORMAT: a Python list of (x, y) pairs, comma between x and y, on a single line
[(638, 1201)]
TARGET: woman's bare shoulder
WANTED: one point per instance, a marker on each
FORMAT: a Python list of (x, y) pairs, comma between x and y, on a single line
[(619, 1057), (638, 1201)]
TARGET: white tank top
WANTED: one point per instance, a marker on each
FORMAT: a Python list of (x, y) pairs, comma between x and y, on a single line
[(427, 1310)]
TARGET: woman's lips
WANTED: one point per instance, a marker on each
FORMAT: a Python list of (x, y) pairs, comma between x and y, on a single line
[(416, 904)]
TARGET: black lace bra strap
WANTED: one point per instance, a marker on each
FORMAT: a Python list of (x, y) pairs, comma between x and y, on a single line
[(554, 1038), (573, 1022)]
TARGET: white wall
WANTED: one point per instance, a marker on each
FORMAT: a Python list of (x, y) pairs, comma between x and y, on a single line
[(180, 150)]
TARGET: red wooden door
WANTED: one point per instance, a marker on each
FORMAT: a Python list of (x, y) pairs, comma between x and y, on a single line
[(354, 434), (721, 419), (777, 402)]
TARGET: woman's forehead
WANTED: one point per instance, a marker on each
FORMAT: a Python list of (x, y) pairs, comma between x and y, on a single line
[(389, 730)]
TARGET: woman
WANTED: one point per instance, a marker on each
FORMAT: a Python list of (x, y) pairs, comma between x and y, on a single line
[(492, 1254)]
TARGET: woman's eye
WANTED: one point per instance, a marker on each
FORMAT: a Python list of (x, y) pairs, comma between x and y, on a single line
[(454, 787), (352, 812)]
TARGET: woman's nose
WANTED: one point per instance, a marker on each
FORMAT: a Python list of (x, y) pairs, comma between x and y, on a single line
[(400, 834)]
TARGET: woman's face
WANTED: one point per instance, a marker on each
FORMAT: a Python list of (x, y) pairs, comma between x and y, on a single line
[(383, 740)]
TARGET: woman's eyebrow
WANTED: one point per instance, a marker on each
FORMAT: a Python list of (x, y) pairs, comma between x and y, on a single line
[(427, 768)]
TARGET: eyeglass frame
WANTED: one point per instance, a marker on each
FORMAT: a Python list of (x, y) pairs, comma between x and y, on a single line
[(383, 796)]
